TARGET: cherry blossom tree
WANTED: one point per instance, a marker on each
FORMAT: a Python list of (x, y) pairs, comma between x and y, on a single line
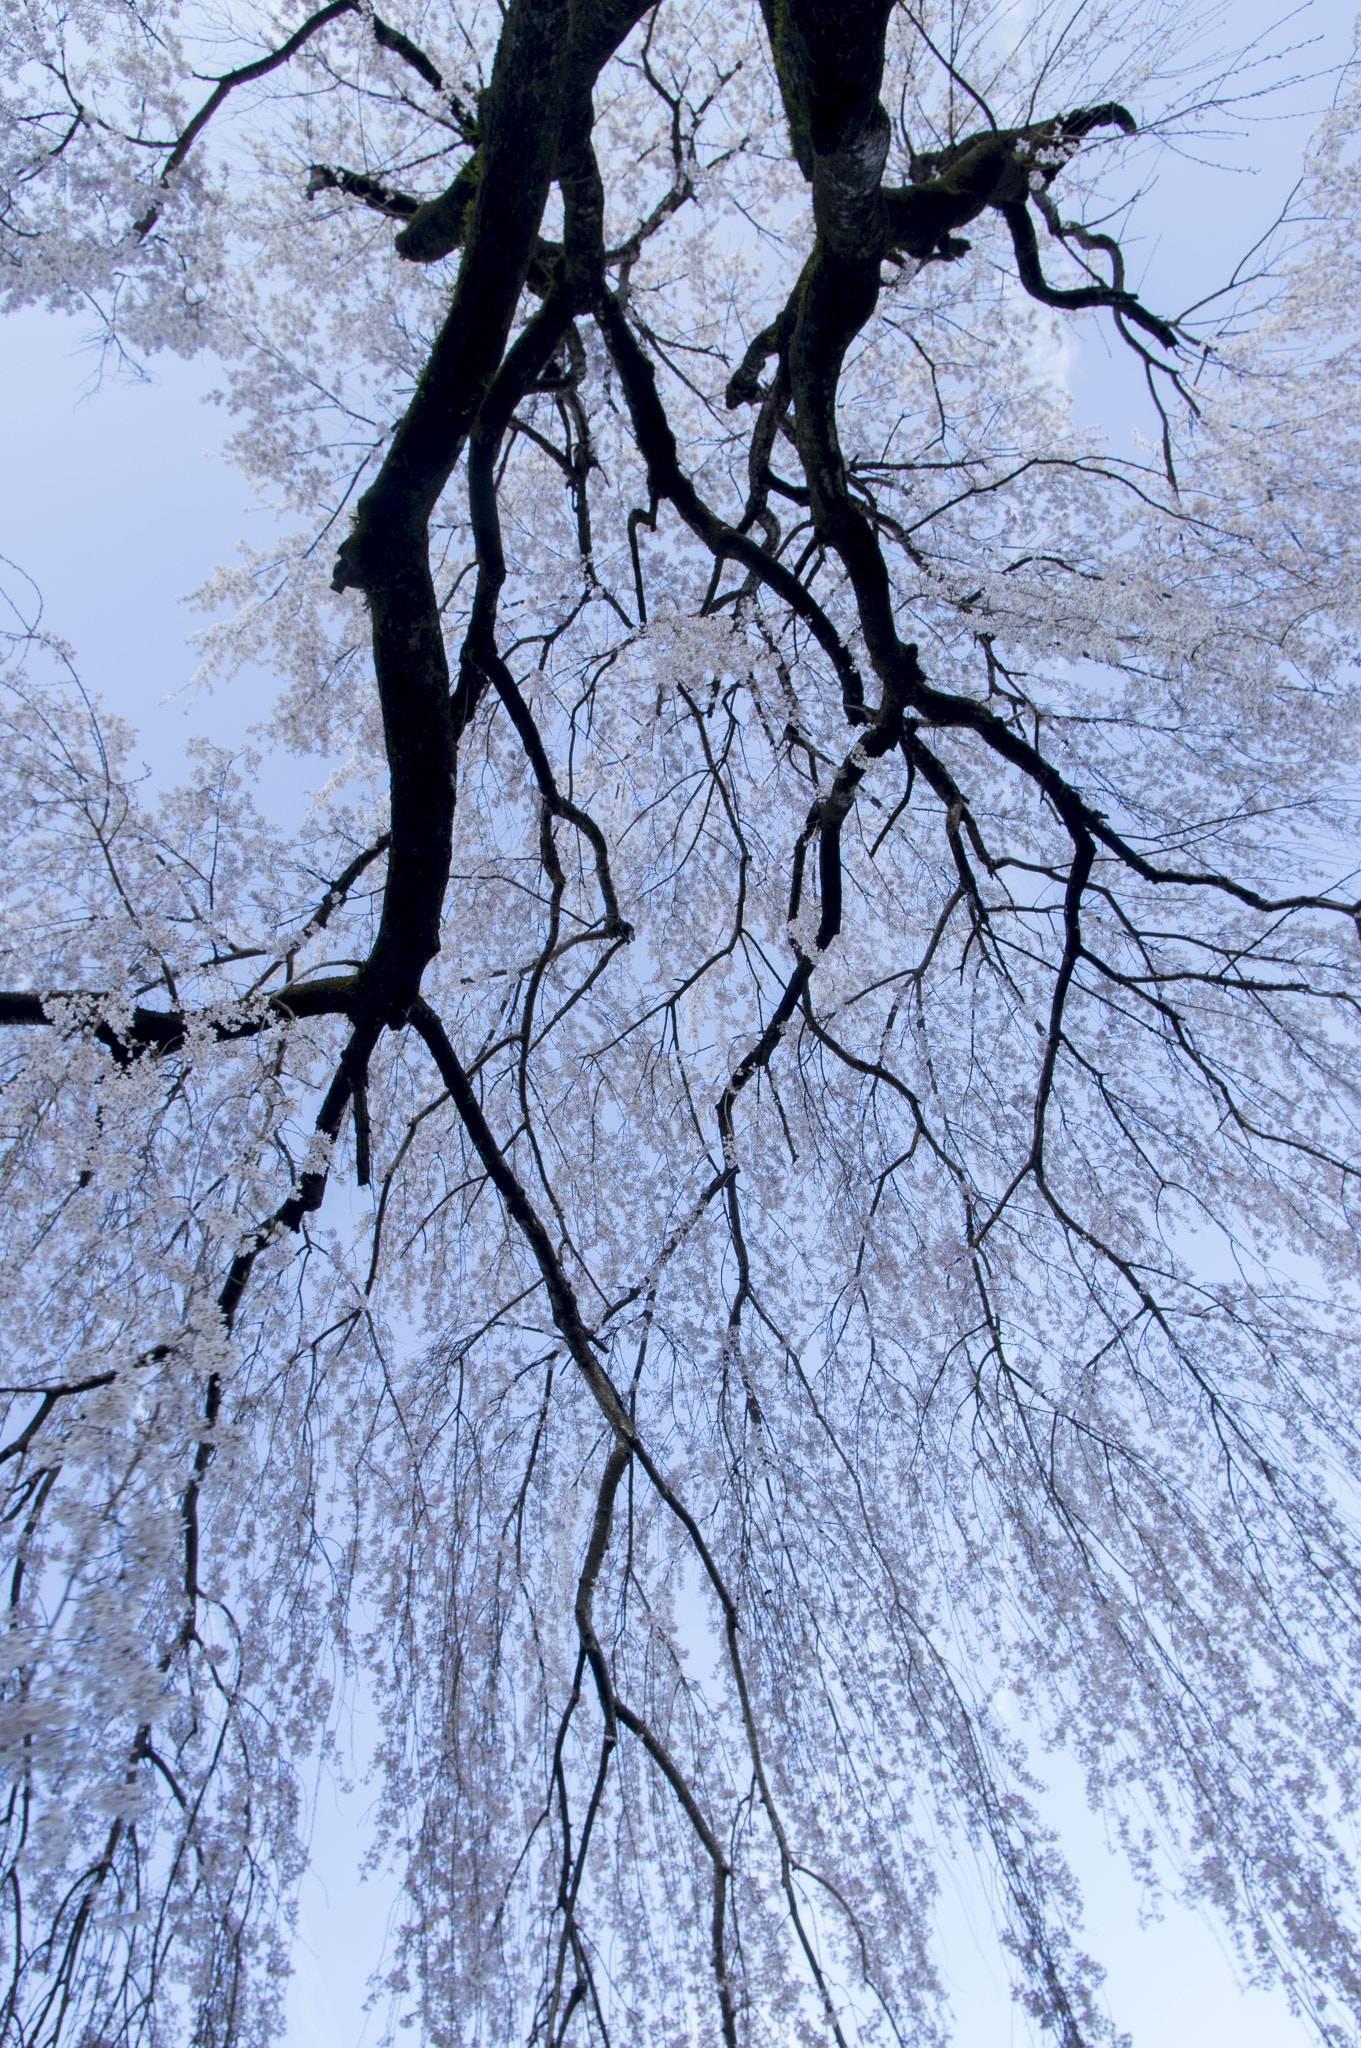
[(755, 1219)]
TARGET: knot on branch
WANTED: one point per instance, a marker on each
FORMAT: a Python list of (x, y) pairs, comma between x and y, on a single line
[(440, 226), (386, 543), (744, 386)]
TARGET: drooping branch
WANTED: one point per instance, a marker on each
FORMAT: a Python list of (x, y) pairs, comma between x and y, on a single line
[(667, 479), (1017, 216), (385, 35), (628, 1444)]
